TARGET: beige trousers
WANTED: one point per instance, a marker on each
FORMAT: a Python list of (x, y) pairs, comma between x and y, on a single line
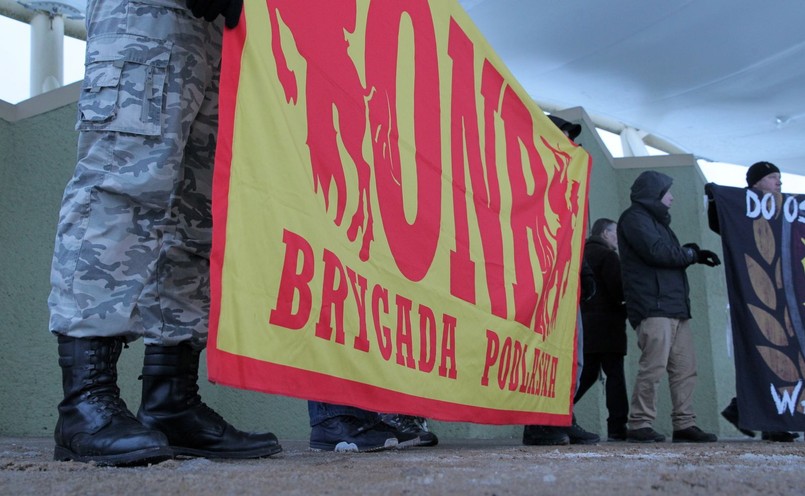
[(666, 345)]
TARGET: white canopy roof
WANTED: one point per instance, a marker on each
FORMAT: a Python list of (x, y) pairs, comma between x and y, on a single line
[(722, 79)]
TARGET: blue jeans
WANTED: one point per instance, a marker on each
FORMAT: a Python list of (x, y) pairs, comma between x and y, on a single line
[(319, 412)]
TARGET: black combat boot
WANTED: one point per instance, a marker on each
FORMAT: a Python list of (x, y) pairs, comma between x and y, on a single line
[(94, 423), (171, 404)]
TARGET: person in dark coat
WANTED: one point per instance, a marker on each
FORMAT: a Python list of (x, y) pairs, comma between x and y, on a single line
[(764, 177), (604, 324), (656, 290), (549, 435)]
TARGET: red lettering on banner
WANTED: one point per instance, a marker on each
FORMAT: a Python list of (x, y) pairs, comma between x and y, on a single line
[(528, 212), (543, 374), (296, 276), (545, 202), (561, 201), (505, 362), (334, 295), (427, 339), (448, 347), (492, 345), (332, 85), (518, 360), (510, 362), (491, 85), (550, 391), (381, 295), (523, 371), (358, 284), (463, 132), (413, 245), (485, 184), (404, 333), (337, 105), (533, 380), (297, 250)]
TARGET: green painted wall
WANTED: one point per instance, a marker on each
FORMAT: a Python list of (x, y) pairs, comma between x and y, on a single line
[(37, 159), (36, 163)]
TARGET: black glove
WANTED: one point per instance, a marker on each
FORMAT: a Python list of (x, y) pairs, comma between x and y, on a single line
[(708, 258), (693, 249), (210, 9), (705, 257)]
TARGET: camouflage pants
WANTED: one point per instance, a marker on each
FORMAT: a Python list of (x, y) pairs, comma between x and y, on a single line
[(133, 241)]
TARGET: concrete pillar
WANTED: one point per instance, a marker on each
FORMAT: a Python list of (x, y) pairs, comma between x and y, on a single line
[(47, 52)]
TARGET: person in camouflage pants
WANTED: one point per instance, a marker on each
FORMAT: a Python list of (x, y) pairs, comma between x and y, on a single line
[(133, 242)]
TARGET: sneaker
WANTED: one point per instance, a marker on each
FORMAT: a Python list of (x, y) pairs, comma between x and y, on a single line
[(578, 435), (731, 414), (404, 439), (412, 425), (545, 435), (693, 435), (779, 437), (346, 433), (644, 435)]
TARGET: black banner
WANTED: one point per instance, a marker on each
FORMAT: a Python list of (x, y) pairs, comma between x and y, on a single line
[(763, 237)]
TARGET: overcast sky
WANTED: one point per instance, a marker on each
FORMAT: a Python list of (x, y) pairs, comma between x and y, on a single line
[(15, 53)]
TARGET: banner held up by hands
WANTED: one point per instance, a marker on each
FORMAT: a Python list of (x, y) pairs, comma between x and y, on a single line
[(397, 226)]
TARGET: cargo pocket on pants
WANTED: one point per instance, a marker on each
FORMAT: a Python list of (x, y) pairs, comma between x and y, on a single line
[(124, 85)]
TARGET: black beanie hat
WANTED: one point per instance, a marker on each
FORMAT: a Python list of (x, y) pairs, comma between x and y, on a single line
[(573, 130), (758, 171)]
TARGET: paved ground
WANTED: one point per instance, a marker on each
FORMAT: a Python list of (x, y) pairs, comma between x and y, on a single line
[(498, 467)]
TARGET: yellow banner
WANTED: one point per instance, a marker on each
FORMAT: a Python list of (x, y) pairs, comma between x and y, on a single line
[(397, 226)]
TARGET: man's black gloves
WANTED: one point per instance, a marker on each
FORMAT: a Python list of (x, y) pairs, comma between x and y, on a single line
[(708, 258), (705, 257), (210, 9)]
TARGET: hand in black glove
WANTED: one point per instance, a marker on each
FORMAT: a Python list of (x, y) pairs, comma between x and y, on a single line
[(708, 258), (705, 257), (708, 191), (210, 9), (694, 250)]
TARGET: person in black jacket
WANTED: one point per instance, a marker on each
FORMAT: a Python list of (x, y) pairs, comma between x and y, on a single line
[(604, 324), (549, 435), (764, 177), (656, 290)]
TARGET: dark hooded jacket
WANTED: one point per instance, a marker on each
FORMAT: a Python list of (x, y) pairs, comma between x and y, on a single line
[(653, 262), (604, 315)]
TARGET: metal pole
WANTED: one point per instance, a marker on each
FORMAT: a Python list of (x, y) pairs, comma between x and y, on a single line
[(633, 145), (47, 52)]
